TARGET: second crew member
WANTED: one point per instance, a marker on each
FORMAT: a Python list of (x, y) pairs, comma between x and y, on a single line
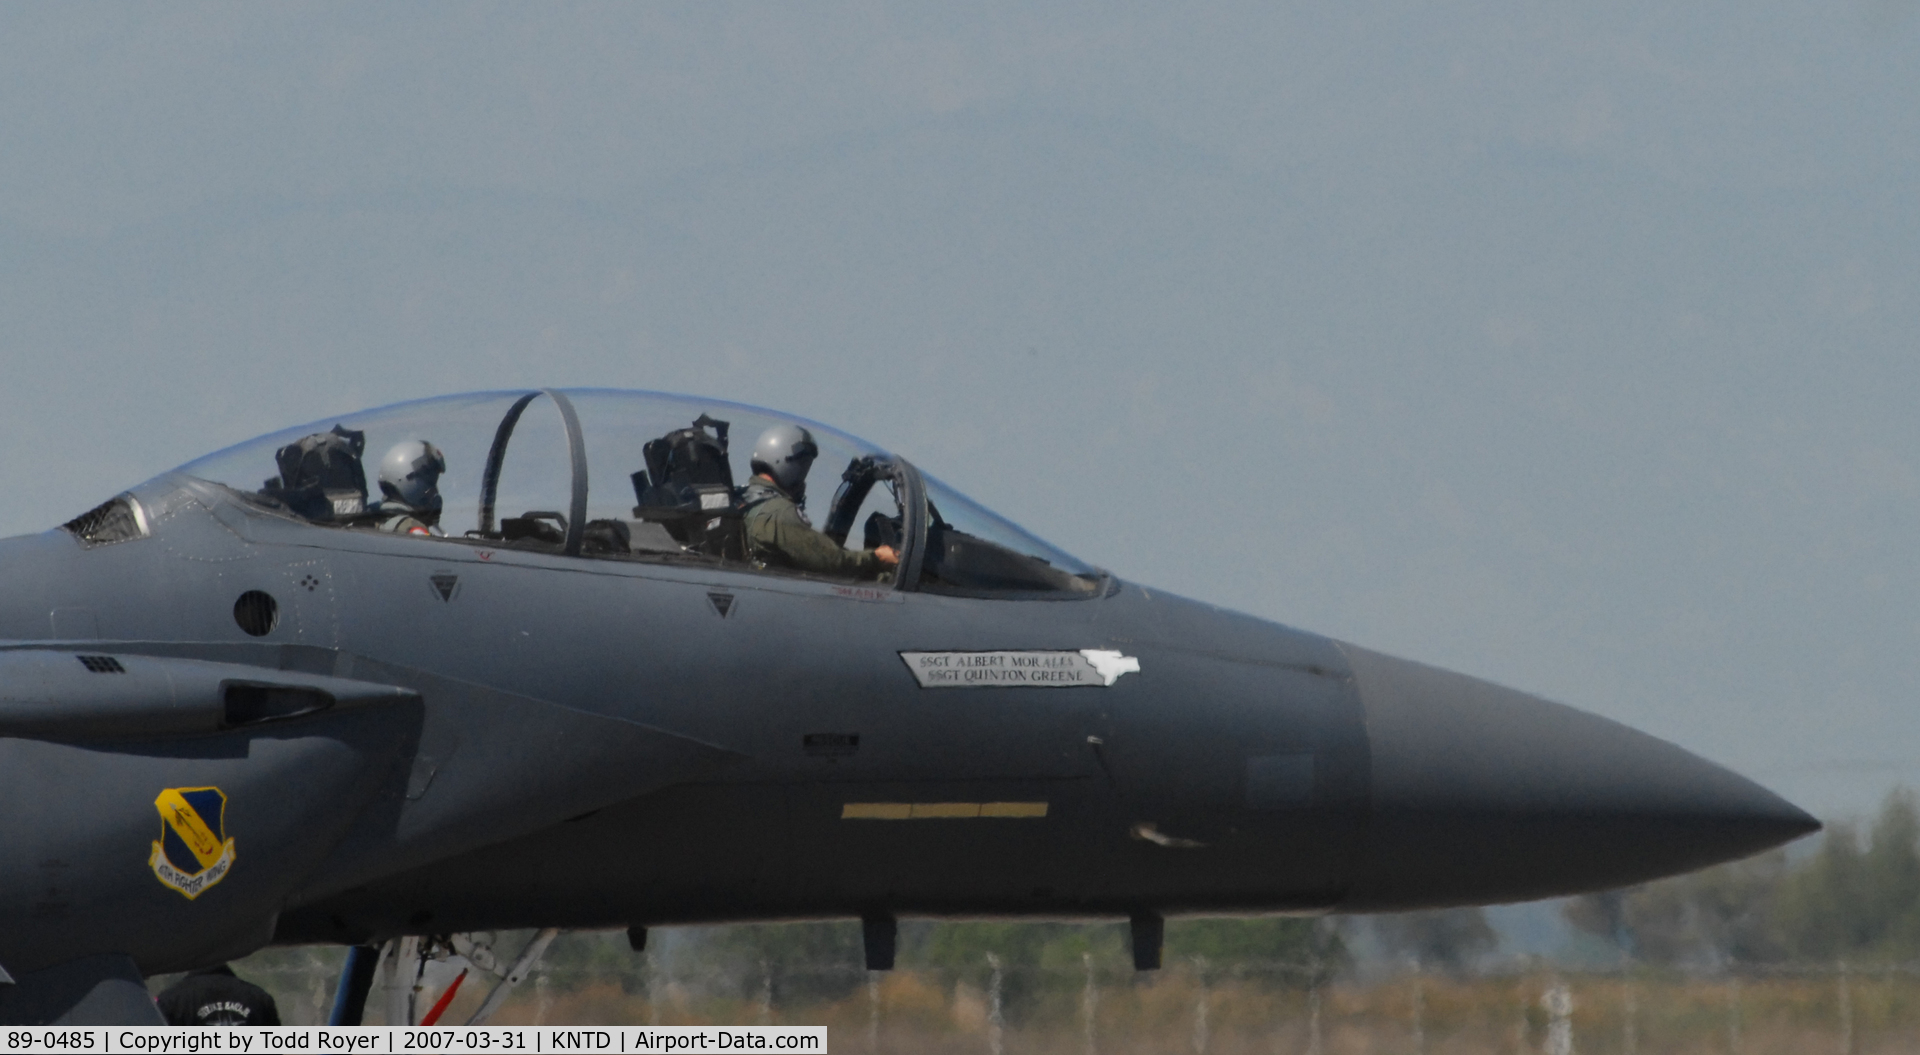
[(778, 534), (410, 482)]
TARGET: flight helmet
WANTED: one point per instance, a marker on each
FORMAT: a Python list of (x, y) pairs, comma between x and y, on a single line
[(786, 452), (410, 475)]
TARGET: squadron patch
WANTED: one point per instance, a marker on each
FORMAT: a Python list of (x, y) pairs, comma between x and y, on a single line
[(194, 851)]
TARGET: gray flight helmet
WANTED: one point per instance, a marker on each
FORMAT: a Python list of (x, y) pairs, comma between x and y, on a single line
[(785, 453), (410, 475)]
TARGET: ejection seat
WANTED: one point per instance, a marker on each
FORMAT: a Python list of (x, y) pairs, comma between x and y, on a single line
[(687, 488), (322, 477)]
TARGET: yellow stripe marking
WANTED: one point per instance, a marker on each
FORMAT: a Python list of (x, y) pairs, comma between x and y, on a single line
[(876, 811), (926, 811), (186, 823), (945, 810)]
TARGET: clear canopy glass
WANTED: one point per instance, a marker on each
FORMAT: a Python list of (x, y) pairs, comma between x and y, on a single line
[(653, 477), (971, 549)]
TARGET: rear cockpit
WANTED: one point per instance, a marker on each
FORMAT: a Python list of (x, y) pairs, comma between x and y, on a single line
[(633, 476)]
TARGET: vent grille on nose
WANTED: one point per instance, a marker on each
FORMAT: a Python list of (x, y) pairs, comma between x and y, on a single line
[(101, 664), (115, 520)]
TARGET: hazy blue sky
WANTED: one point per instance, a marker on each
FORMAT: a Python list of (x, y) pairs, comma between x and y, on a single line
[(1568, 345)]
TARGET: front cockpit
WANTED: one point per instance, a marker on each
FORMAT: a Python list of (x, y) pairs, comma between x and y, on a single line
[(633, 476)]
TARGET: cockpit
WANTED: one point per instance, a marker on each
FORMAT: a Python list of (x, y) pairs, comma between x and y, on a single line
[(632, 476)]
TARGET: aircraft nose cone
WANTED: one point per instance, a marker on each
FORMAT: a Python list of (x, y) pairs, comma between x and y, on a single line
[(1482, 794)]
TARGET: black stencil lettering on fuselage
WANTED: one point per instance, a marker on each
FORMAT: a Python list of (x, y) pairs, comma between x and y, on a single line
[(830, 745)]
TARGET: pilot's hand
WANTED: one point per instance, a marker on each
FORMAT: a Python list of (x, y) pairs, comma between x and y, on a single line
[(887, 555)]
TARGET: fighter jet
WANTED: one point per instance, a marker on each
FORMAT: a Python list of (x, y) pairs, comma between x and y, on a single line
[(564, 667)]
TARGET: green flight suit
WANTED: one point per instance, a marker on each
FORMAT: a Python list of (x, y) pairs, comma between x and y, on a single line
[(401, 520), (778, 537)]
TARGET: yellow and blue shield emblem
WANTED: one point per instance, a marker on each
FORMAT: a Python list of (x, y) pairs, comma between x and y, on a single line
[(194, 851)]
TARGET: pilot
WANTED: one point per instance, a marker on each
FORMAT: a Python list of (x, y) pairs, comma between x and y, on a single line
[(215, 997), (778, 534), (410, 480)]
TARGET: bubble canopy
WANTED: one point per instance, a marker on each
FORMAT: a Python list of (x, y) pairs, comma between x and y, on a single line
[(621, 475)]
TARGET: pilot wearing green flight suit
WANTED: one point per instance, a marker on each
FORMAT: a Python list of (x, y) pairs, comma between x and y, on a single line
[(778, 534)]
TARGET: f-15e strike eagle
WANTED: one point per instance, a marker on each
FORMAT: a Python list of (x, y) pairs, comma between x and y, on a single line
[(237, 708)]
